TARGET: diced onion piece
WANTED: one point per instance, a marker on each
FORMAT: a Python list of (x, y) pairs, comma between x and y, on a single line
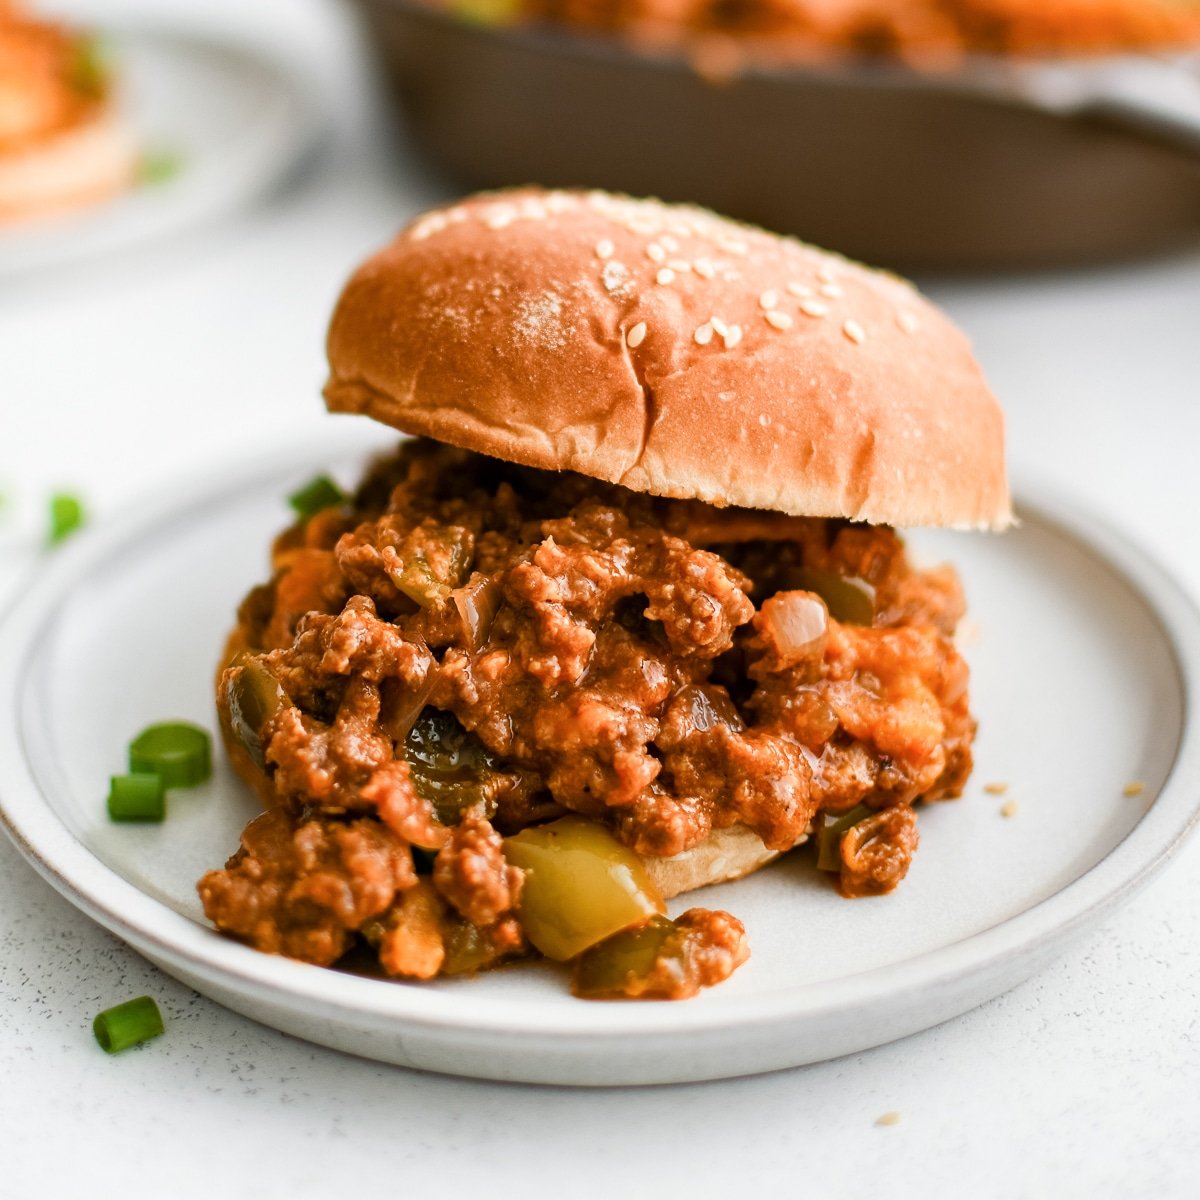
[(404, 703), (581, 886), (796, 622), (849, 599), (708, 707), (477, 602)]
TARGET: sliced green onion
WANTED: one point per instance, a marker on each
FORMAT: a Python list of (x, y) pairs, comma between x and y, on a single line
[(158, 166), (127, 1024), (316, 495), (66, 515), (89, 67), (136, 797), (178, 753), (829, 836)]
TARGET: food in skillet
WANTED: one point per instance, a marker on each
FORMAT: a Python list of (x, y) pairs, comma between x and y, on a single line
[(62, 146), (627, 617), (813, 29)]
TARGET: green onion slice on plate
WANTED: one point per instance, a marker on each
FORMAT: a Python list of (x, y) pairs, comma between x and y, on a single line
[(127, 1024), (137, 797), (178, 753)]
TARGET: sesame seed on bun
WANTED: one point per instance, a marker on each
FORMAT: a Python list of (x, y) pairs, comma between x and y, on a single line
[(671, 351)]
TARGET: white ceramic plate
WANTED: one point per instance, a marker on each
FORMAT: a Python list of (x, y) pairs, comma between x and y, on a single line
[(234, 120), (1084, 660)]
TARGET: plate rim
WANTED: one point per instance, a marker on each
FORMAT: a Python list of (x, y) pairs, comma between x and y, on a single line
[(156, 929)]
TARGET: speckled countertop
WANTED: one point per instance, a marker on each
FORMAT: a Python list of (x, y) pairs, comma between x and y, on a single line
[(1084, 1081)]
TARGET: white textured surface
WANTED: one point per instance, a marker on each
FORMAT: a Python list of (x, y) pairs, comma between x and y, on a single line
[(1083, 1082)]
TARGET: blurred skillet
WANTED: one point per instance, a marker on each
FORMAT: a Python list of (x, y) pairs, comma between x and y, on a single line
[(1000, 164)]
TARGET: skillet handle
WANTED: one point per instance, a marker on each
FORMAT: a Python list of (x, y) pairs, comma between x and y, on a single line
[(1158, 96)]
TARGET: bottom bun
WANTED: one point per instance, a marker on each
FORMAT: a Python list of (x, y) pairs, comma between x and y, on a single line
[(726, 854), (80, 166)]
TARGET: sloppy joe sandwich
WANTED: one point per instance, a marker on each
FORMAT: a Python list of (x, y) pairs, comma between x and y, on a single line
[(628, 614), (62, 144)]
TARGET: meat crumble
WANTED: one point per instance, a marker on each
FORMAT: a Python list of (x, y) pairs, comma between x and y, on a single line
[(468, 648)]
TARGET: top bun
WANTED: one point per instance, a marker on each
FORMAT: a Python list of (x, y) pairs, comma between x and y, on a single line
[(672, 351)]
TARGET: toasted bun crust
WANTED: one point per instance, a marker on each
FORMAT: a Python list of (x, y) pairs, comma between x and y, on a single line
[(671, 351), (82, 165)]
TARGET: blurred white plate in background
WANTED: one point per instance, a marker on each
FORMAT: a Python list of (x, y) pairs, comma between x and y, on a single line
[(227, 122)]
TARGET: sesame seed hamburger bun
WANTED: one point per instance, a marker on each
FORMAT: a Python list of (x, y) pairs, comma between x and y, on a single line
[(674, 352), (671, 351)]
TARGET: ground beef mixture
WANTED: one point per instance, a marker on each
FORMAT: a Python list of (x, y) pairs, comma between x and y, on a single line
[(467, 648), (927, 32)]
